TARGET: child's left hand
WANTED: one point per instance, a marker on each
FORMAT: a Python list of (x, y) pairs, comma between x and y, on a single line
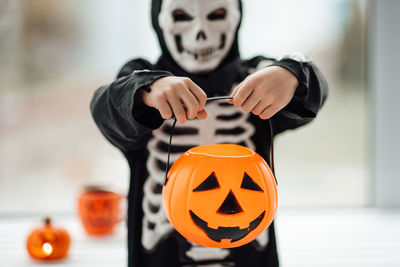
[(265, 92)]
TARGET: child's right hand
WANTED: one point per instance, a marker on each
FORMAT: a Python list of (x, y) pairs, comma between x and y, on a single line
[(178, 96)]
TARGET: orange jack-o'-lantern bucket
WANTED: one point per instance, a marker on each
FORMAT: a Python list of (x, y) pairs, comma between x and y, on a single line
[(221, 195)]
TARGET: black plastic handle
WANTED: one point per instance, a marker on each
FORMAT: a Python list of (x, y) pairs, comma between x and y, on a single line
[(213, 99)]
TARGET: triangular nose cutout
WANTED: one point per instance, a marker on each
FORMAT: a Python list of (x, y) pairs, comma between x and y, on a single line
[(230, 205), (201, 35)]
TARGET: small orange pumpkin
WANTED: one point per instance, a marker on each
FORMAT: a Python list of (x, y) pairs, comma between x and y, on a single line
[(48, 242), (221, 195)]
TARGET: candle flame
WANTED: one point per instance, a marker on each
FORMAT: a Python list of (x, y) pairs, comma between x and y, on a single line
[(47, 248)]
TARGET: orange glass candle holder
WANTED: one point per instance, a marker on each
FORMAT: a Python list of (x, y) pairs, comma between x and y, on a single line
[(99, 211)]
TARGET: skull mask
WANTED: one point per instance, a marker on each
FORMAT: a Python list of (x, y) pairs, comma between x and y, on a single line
[(199, 33)]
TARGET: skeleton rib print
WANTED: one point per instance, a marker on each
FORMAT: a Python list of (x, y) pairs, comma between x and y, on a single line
[(225, 124)]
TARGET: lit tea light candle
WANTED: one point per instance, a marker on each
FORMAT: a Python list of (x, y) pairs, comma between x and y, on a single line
[(47, 248)]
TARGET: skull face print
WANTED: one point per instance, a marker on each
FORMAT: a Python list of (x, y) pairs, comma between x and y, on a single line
[(199, 33)]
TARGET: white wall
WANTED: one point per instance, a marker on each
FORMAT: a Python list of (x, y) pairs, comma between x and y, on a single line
[(385, 85)]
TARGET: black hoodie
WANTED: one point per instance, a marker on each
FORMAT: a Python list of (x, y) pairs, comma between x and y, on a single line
[(139, 132)]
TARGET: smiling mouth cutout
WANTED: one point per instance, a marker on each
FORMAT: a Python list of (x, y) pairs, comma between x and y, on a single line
[(199, 53), (233, 233)]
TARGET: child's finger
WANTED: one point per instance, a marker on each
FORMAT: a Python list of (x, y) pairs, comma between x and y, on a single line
[(236, 89), (164, 109), (251, 101), (198, 93), (260, 107), (191, 103), (202, 115), (230, 101), (242, 93), (177, 108), (269, 112)]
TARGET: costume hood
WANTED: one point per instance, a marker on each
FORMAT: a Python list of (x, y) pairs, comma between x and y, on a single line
[(176, 25)]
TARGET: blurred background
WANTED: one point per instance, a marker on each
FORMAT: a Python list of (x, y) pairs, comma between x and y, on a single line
[(55, 54)]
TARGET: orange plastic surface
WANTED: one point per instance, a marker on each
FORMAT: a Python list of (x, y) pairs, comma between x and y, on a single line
[(229, 163)]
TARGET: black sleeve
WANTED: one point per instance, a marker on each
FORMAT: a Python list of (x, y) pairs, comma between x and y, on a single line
[(122, 119), (309, 96)]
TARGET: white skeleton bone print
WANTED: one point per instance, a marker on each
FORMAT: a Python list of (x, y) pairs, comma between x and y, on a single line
[(225, 124)]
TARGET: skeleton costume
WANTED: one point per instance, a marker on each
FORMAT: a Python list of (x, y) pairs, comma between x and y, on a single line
[(198, 39)]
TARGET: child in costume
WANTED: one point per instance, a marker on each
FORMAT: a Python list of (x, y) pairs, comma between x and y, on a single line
[(200, 58)]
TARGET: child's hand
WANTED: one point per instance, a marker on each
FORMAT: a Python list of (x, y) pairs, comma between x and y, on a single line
[(265, 92), (178, 96)]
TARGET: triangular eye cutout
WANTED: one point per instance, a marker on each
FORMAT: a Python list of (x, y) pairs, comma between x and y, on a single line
[(210, 183), (249, 183)]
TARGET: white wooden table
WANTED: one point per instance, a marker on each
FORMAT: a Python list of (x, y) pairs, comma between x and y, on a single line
[(306, 238), (85, 251)]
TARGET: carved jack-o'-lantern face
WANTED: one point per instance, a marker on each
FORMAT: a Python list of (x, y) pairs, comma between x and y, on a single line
[(220, 195), (48, 242), (99, 211)]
